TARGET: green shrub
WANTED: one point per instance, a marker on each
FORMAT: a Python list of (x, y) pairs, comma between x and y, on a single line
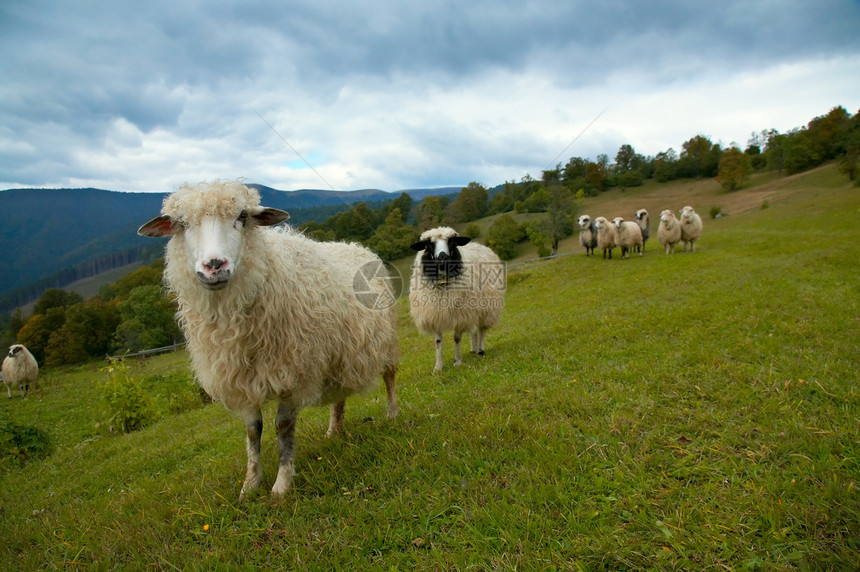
[(129, 405), (716, 211), (177, 392), (20, 443)]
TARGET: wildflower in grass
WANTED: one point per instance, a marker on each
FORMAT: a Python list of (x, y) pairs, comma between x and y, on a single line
[(205, 528)]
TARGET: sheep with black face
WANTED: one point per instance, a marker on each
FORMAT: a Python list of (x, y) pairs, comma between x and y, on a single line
[(456, 285), (587, 234), (644, 222)]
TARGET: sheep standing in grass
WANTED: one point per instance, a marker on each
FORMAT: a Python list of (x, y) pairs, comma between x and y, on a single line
[(628, 236), (587, 234), (19, 368), (270, 314), (605, 235), (669, 231), (456, 285), (691, 228), (644, 222)]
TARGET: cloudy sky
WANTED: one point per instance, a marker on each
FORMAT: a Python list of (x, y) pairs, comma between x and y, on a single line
[(394, 94)]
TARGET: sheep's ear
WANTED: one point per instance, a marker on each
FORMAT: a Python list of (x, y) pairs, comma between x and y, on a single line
[(268, 216), (157, 227), (460, 240), (420, 245)]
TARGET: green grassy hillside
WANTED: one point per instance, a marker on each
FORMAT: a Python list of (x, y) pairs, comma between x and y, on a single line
[(695, 411)]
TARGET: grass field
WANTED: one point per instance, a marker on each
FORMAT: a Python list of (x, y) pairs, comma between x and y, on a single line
[(696, 411)]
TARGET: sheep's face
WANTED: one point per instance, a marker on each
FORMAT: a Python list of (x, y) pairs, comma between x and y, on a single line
[(15, 350), (641, 214), (617, 222), (667, 217), (687, 214), (441, 260), (584, 222), (213, 238), (215, 247), (601, 223)]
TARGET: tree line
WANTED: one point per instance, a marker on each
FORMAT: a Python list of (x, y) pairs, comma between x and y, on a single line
[(135, 313)]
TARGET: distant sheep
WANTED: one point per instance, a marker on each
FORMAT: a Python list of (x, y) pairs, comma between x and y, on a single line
[(669, 231), (645, 224), (605, 236), (19, 368), (587, 234), (691, 228), (456, 285), (270, 314), (628, 235)]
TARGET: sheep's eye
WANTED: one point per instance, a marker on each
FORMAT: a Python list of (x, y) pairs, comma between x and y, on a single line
[(243, 218)]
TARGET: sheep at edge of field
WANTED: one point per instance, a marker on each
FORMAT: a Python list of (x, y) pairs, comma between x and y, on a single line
[(605, 235), (669, 231), (270, 314), (19, 368), (456, 285), (587, 234), (691, 228), (628, 236), (644, 222)]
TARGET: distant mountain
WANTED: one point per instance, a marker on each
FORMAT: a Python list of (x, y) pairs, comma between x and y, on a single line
[(51, 237)]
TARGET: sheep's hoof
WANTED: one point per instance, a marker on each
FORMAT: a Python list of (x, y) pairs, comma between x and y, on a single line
[(284, 481), (481, 353), (393, 412), (248, 492)]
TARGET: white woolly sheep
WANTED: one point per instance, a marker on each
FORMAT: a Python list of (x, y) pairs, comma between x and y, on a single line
[(456, 285), (691, 228), (270, 314), (587, 234), (669, 231), (628, 236), (644, 222), (19, 368), (605, 235)]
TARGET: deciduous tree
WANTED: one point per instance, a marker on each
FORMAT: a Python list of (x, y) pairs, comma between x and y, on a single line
[(504, 235), (733, 169)]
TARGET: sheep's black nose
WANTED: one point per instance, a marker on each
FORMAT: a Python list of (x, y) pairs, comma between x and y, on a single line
[(214, 264), (442, 256)]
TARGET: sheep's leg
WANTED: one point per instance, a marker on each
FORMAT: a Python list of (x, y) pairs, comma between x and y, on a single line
[(253, 433), (335, 418), (285, 426), (438, 352), (474, 342), (482, 335), (692, 246), (388, 376), (9, 391), (458, 356)]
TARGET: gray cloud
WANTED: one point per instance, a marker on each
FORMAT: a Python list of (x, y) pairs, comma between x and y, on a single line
[(396, 94)]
